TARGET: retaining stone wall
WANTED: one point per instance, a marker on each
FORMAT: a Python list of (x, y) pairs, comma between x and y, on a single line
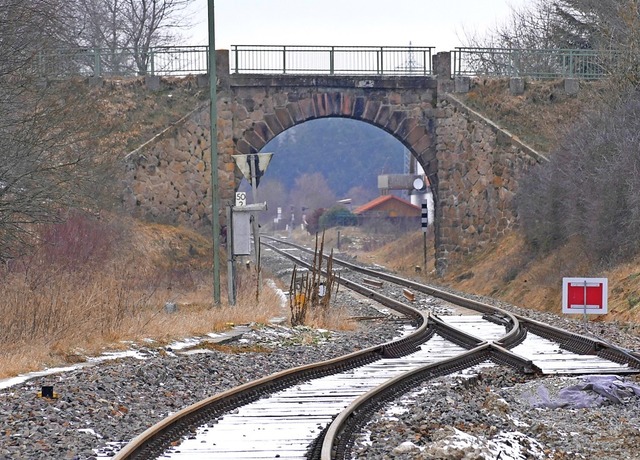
[(479, 167)]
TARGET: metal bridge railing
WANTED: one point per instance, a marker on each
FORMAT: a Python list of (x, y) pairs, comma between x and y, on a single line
[(159, 60), (536, 63), (184, 60), (332, 60)]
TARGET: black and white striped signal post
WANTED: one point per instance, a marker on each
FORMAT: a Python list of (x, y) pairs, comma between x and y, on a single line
[(425, 223)]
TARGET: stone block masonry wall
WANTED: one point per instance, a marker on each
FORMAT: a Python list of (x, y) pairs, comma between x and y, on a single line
[(473, 165), (478, 171), (170, 180)]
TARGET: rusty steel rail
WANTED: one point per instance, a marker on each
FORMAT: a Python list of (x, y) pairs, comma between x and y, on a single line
[(154, 441), (515, 336), (570, 341), (336, 439), (582, 344)]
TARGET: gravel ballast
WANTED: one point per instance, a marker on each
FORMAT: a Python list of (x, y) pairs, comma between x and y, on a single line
[(487, 413)]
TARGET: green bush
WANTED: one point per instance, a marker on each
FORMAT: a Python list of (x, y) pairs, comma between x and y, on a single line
[(338, 216)]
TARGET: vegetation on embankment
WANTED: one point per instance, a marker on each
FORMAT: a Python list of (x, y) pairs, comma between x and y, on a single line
[(131, 114), (507, 270), (103, 284), (96, 284), (540, 116)]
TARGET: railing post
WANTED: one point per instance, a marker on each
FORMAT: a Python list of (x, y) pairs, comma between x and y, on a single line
[(331, 61), (284, 59), (571, 64), (152, 63), (236, 56), (97, 63), (381, 61), (424, 60)]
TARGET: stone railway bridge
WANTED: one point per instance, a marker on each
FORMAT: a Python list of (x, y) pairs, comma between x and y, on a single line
[(472, 164)]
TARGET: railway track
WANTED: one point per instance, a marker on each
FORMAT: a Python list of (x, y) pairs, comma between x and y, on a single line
[(312, 411), (534, 340)]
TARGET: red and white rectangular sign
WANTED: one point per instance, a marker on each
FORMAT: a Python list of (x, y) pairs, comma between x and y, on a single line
[(584, 295)]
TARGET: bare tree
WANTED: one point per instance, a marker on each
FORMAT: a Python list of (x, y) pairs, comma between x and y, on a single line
[(124, 31), (528, 29), (529, 26), (311, 191), (275, 195), (597, 24), (46, 161), (609, 27)]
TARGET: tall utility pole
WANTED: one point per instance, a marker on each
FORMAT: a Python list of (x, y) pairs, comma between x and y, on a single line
[(213, 97)]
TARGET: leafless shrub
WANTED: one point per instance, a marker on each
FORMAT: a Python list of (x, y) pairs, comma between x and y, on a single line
[(606, 31), (48, 162), (589, 189), (311, 291), (59, 300)]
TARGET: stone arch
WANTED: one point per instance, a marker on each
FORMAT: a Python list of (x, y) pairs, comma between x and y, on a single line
[(406, 123)]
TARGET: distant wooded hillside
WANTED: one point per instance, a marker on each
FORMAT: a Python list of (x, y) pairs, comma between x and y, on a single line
[(346, 152)]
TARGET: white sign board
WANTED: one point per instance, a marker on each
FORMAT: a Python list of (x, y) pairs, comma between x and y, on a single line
[(241, 199), (241, 233), (584, 295)]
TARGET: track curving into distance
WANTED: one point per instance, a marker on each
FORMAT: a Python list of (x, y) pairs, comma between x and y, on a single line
[(311, 411)]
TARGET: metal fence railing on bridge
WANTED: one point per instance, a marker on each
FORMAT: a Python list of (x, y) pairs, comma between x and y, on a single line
[(159, 60), (331, 60), (536, 63), (185, 60)]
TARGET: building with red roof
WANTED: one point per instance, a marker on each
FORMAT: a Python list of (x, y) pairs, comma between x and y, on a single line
[(389, 209)]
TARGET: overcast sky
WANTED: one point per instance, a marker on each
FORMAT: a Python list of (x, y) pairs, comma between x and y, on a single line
[(439, 23)]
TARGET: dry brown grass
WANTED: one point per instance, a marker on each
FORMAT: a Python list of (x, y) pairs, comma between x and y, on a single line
[(540, 116), (132, 114), (63, 322), (55, 312), (335, 319), (400, 253), (506, 271)]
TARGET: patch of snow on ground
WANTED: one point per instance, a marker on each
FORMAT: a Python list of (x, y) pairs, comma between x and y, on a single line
[(6, 383), (453, 443)]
